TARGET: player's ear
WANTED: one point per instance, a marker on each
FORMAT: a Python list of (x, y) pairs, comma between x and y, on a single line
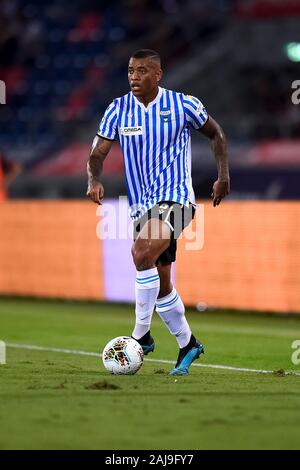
[(159, 75)]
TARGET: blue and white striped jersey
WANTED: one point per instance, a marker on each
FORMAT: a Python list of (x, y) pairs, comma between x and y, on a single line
[(156, 146)]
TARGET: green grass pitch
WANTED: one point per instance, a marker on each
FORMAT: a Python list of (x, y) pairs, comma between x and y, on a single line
[(52, 400)]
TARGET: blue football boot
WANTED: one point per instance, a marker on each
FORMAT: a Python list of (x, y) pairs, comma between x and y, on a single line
[(186, 356)]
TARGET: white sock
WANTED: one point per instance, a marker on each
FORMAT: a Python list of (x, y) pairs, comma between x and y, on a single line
[(171, 310), (146, 291)]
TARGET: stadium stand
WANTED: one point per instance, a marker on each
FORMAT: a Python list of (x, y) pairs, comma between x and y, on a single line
[(63, 65)]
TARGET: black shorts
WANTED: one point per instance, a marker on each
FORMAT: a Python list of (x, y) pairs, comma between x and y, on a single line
[(176, 216)]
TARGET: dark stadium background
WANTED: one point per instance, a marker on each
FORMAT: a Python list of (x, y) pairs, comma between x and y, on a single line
[(63, 64)]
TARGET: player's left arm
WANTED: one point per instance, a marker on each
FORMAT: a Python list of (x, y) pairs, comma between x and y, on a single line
[(99, 151), (215, 133)]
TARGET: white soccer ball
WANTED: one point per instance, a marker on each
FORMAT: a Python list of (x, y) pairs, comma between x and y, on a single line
[(123, 355)]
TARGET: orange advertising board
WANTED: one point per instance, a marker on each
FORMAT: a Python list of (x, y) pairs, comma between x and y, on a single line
[(250, 257), (50, 249)]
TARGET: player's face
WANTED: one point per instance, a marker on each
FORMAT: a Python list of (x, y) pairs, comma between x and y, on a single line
[(143, 76)]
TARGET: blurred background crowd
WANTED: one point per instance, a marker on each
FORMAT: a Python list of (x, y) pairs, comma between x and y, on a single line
[(62, 63)]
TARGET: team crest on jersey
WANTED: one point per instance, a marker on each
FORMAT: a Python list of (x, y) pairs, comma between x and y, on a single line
[(165, 115), (133, 130)]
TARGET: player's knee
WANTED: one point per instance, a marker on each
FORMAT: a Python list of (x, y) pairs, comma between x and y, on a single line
[(142, 257)]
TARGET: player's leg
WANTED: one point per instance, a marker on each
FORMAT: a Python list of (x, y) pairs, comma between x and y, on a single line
[(170, 307), (152, 240), (164, 272), (171, 310)]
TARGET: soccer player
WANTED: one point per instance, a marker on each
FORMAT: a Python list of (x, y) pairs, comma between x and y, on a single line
[(154, 125)]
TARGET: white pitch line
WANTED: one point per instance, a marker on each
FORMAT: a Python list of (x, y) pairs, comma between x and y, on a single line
[(44, 348), (163, 361)]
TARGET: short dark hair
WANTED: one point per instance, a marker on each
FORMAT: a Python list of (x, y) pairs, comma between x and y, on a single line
[(146, 54)]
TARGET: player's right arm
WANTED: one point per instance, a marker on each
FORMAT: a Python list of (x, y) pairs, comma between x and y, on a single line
[(99, 151), (102, 144)]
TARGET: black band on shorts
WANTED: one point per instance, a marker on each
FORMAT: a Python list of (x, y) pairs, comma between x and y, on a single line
[(176, 216)]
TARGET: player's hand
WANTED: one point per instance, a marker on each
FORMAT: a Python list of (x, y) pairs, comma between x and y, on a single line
[(95, 192), (220, 190)]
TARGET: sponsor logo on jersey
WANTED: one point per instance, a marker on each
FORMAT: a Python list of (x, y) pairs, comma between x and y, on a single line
[(134, 130)]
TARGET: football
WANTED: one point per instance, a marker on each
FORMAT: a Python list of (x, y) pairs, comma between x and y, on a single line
[(123, 355)]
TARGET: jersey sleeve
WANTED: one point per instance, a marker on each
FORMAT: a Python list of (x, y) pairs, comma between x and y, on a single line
[(195, 112), (108, 125)]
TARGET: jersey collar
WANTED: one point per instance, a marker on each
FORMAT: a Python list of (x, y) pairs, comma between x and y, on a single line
[(156, 99)]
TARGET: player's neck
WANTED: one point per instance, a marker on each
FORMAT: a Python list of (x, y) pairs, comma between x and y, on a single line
[(145, 100)]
